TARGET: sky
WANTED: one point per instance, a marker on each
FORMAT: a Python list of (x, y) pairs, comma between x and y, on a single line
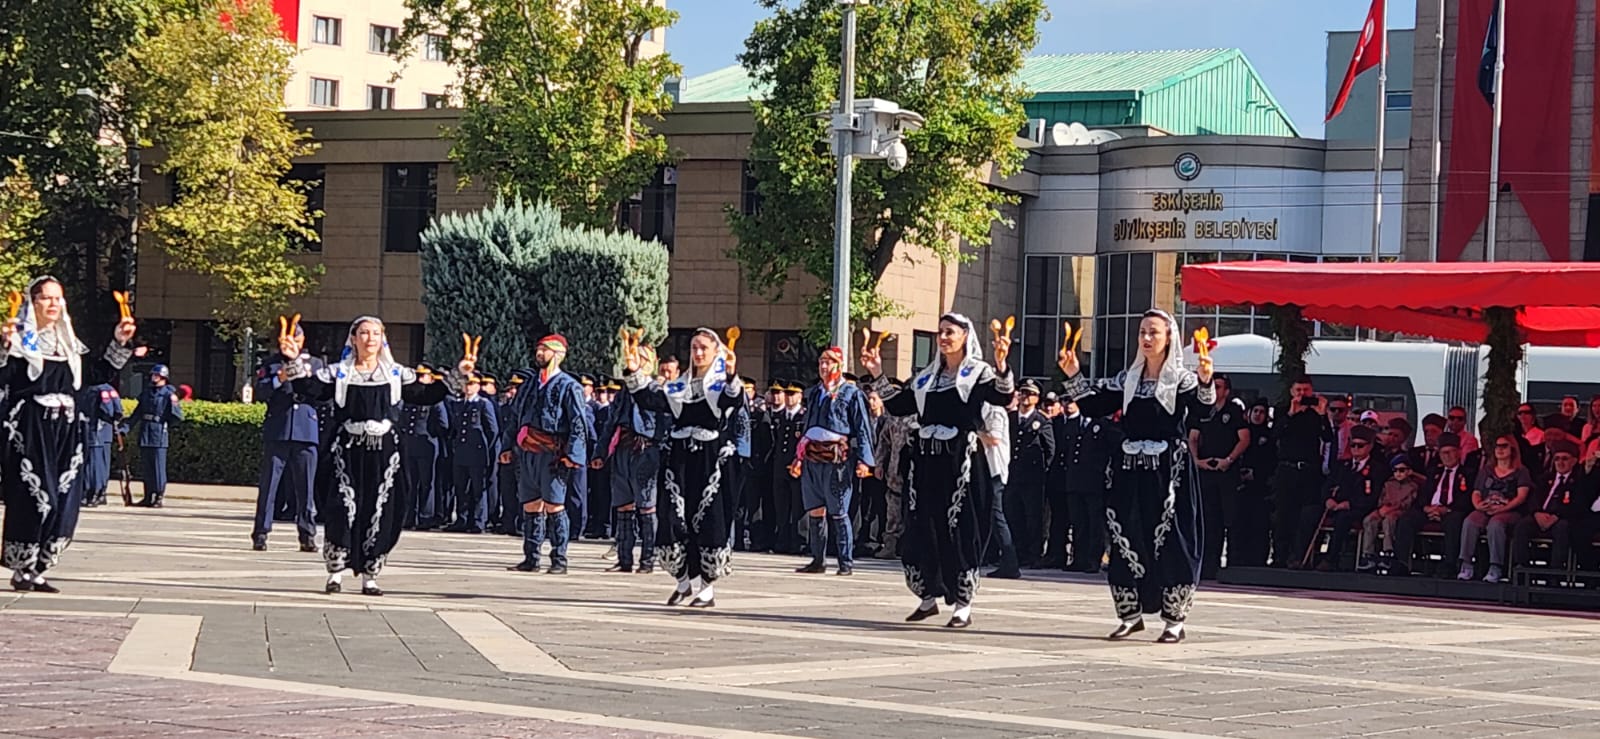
[(1286, 40)]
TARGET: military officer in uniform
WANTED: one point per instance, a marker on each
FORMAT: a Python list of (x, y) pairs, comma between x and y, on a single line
[(421, 429), (599, 503), (157, 409), (474, 434), (507, 474), (760, 506), (786, 433), (1033, 448), (1086, 460), (289, 455), (100, 408), (490, 391)]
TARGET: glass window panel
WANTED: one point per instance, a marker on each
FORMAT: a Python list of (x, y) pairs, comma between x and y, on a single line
[(1077, 286), (1117, 286), (1228, 326), (1238, 256), (1302, 258), (1263, 327), (1042, 291), (1200, 257), (1102, 292), (1335, 331), (1040, 339)]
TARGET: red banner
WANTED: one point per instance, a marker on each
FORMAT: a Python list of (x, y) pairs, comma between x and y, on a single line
[(1366, 56)]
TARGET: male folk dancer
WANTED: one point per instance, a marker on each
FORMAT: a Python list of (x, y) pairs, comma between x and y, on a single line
[(555, 435), (635, 466), (837, 434)]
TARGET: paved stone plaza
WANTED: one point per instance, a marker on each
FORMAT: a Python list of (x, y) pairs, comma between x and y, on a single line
[(170, 626)]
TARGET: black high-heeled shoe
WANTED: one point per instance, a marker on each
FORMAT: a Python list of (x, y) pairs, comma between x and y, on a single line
[(373, 590), (923, 614), (332, 587), (40, 586), (21, 586), (1169, 636), (957, 622), (677, 597), (1125, 630)]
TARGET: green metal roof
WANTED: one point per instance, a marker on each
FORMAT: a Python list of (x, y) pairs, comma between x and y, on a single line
[(1149, 76)]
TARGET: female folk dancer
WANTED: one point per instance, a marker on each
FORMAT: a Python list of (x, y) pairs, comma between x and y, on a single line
[(41, 370), (367, 505), (693, 537), (947, 490), (1153, 508)]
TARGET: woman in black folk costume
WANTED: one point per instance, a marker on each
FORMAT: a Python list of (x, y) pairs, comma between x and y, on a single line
[(41, 370), (1153, 507), (693, 539), (368, 502), (947, 491)]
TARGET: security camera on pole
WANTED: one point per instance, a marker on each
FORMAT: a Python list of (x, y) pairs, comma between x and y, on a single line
[(869, 129)]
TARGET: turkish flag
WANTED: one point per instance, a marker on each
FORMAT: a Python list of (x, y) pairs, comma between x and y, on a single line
[(1369, 52)]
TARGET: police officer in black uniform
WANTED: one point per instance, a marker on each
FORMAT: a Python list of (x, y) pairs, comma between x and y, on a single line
[(1303, 433), (474, 438), (421, 429), (786, 431), (1086, 460), (1217, 442), (506, 474), (1247, 545), (1033, 448)]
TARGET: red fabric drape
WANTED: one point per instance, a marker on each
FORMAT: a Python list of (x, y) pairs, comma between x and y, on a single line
[(1445, 301), (1535, 128)]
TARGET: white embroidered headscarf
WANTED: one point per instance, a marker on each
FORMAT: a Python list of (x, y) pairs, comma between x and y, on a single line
[(1174, 377), (60, 340), (344, 371), (711, 384), (967, 376)]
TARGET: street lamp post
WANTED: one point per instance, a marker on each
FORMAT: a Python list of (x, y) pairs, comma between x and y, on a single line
[(862, 129)]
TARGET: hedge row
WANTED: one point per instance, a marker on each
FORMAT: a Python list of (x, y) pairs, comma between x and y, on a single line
[(216, 443)]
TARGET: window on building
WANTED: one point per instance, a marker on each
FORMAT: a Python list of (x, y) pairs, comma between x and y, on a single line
[(1398, 100), (328, 31), (923, 349), (652, 212), (434, 100), (791, 357), (216, 364), (382, 38), (1056, 290), (324, 93), (312, 177), (410, 197), (435, 48), (380, 98), (750, 191), (650, 35)]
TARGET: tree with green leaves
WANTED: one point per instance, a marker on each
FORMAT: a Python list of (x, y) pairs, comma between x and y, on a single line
[(480, 276), (207, 88), (953, 61), (557, 96), (21, 256), (596, 283)]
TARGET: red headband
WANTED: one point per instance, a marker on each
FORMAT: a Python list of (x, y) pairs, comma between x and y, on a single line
[(554, 341), (834, 353)]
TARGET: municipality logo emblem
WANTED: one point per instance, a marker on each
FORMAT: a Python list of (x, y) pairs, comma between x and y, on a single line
[(1186, 166)]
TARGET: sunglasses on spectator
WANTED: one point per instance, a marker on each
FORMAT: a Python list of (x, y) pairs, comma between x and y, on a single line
[(1402, 468), (1359, 445), (1458, 418), (1564, 457)]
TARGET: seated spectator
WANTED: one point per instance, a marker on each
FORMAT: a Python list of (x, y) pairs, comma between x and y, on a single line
[(1349, 493), (1591, 429), (1554, 433), (1370, 419), (1423, 458), (1399, 494), (1556, 503), (1396, 437), (1570, 422), (1497, 501), (1445, 500), (1456, 423), (1528, 425)]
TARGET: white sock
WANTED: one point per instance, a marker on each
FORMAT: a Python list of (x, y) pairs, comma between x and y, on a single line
[(684, 586), (696, 583), (927, 603), (368, 581), (336, 577), (964, 611), (22, 576), (1174, 627), (706, 593)]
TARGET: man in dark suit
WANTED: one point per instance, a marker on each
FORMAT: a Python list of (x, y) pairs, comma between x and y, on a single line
[(289, 449), (1348, 495), (1085, 454), (157, 409), (786, 431), (1033, 448), (1555, 502), (1445, 500), (1218, 441), (1425, 458), (421, 429), (100, 407)]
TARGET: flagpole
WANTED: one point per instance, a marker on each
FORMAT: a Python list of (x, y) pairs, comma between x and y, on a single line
[(1377, 149), (1494, 146), (1438, 146)]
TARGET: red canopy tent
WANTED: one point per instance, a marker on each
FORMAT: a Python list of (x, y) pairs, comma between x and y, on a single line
[(1556, 302)]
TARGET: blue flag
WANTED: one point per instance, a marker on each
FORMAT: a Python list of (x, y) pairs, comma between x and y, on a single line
[(1491, 48)]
